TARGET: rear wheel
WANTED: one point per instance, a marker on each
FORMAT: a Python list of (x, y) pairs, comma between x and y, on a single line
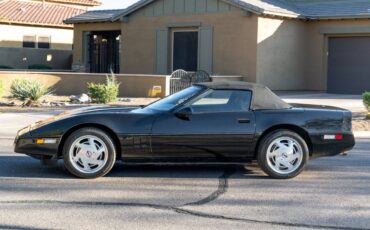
[(283, 154), (89, 153)]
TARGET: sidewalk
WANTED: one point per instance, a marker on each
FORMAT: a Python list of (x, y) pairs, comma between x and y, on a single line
[(350, 102), (362, 134)]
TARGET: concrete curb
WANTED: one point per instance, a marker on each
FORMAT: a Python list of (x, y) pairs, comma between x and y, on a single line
[(362, 134)]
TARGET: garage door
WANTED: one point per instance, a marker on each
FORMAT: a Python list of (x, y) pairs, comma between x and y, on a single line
[(349, 65)]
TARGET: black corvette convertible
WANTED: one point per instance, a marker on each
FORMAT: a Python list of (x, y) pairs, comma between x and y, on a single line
[(219, 122)]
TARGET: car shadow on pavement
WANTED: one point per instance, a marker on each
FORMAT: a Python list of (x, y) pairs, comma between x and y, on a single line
[(179, 171), (27, 167)]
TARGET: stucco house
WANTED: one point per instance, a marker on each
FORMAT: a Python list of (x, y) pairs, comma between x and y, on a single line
[(33, 32), (285, 44)]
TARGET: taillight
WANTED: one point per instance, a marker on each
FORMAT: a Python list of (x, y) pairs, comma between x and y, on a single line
[(338, 137), (333, 137)]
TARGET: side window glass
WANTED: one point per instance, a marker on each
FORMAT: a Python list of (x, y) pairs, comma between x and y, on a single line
[(222, 101)]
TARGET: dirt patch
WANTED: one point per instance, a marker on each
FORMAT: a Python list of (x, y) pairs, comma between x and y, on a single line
[(361, 125)]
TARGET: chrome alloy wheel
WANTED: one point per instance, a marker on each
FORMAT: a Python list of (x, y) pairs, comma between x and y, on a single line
[(284, 155), (88, 154)]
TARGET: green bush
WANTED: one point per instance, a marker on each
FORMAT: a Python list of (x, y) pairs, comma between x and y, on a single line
[(39, 66), (1, 88), (104, 93), (28, 90), (5, 67), (366, 100)]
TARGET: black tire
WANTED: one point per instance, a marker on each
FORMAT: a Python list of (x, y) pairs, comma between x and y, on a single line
[(268, 140), (103, 136)]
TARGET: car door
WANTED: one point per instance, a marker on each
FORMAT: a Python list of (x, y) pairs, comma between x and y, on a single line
[(217, 125)]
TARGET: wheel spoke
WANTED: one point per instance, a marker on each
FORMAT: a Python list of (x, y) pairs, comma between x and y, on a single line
[(80, 146), (287, 164), (96, 162), (292, 157), (281, 145), (92, 144), (274, 153), (85, 163), (277, 163), (290, 148)]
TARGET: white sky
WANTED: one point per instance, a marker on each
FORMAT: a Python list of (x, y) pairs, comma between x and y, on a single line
[(114, 4)]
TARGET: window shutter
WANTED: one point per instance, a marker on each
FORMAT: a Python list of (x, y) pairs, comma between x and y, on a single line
[(206, 49), (161, 51)]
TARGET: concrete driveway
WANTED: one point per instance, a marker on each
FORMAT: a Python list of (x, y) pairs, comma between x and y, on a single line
[(350, 102), (332, 193)]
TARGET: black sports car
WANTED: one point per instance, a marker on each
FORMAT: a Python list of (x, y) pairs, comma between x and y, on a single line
[(218, 122)]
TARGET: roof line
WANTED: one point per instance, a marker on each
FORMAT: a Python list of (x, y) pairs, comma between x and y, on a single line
[(142, 3), (93, 3), (296, 13), (10, 22)]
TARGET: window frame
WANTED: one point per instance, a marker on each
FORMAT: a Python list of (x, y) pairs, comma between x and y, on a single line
[(34, 41), (38, 42), (187, 104)]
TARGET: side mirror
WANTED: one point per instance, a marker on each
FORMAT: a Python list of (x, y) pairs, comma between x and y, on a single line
[(184, 113)]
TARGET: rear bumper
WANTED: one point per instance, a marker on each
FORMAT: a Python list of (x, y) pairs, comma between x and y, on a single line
[(321, 147)]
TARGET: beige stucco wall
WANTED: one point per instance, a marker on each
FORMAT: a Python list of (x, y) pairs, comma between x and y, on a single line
[(293, 54), (76, 83), (317, 46), (234, 44), (281, 53), (66, 83), (12, 36)]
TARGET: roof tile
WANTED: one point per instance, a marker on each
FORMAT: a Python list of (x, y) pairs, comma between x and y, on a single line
[(36, 13)]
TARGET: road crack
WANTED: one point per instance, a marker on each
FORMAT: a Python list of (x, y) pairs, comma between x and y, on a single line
[(178, 210), (223, 185)]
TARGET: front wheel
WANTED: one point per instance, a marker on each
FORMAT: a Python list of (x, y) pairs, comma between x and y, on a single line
[(89, 153), (283, 154)]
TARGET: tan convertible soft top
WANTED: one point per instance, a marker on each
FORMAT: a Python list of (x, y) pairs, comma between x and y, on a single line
[(262, 97)]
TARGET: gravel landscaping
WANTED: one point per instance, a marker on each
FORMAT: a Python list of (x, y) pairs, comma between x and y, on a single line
[(52, 102)]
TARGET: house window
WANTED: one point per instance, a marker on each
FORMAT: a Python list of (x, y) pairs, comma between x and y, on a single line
[(29, 41), (185, 50), (43, 42)]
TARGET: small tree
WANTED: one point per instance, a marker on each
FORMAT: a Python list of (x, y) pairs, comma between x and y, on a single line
[(104, 93), (366, 100)]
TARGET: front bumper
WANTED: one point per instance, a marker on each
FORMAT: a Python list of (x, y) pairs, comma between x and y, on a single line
[(321, 147), (24, 143)]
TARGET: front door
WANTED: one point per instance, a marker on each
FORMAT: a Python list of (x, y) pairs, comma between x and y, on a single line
[(220, 127), (104, 56), (185, 50)]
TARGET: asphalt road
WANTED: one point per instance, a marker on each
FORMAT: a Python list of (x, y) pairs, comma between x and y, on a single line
[(332, 193)]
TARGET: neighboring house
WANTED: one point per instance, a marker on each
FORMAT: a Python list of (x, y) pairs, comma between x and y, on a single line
[(33, 32), (286, 44)]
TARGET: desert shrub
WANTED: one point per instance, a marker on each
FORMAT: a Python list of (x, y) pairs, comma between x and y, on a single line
[(5, 67), (1, 88), (104, 93), (28, 90), (39, 66), (366, 100)]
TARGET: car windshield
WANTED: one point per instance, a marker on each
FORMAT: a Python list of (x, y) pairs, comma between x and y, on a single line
[(175, 99)]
